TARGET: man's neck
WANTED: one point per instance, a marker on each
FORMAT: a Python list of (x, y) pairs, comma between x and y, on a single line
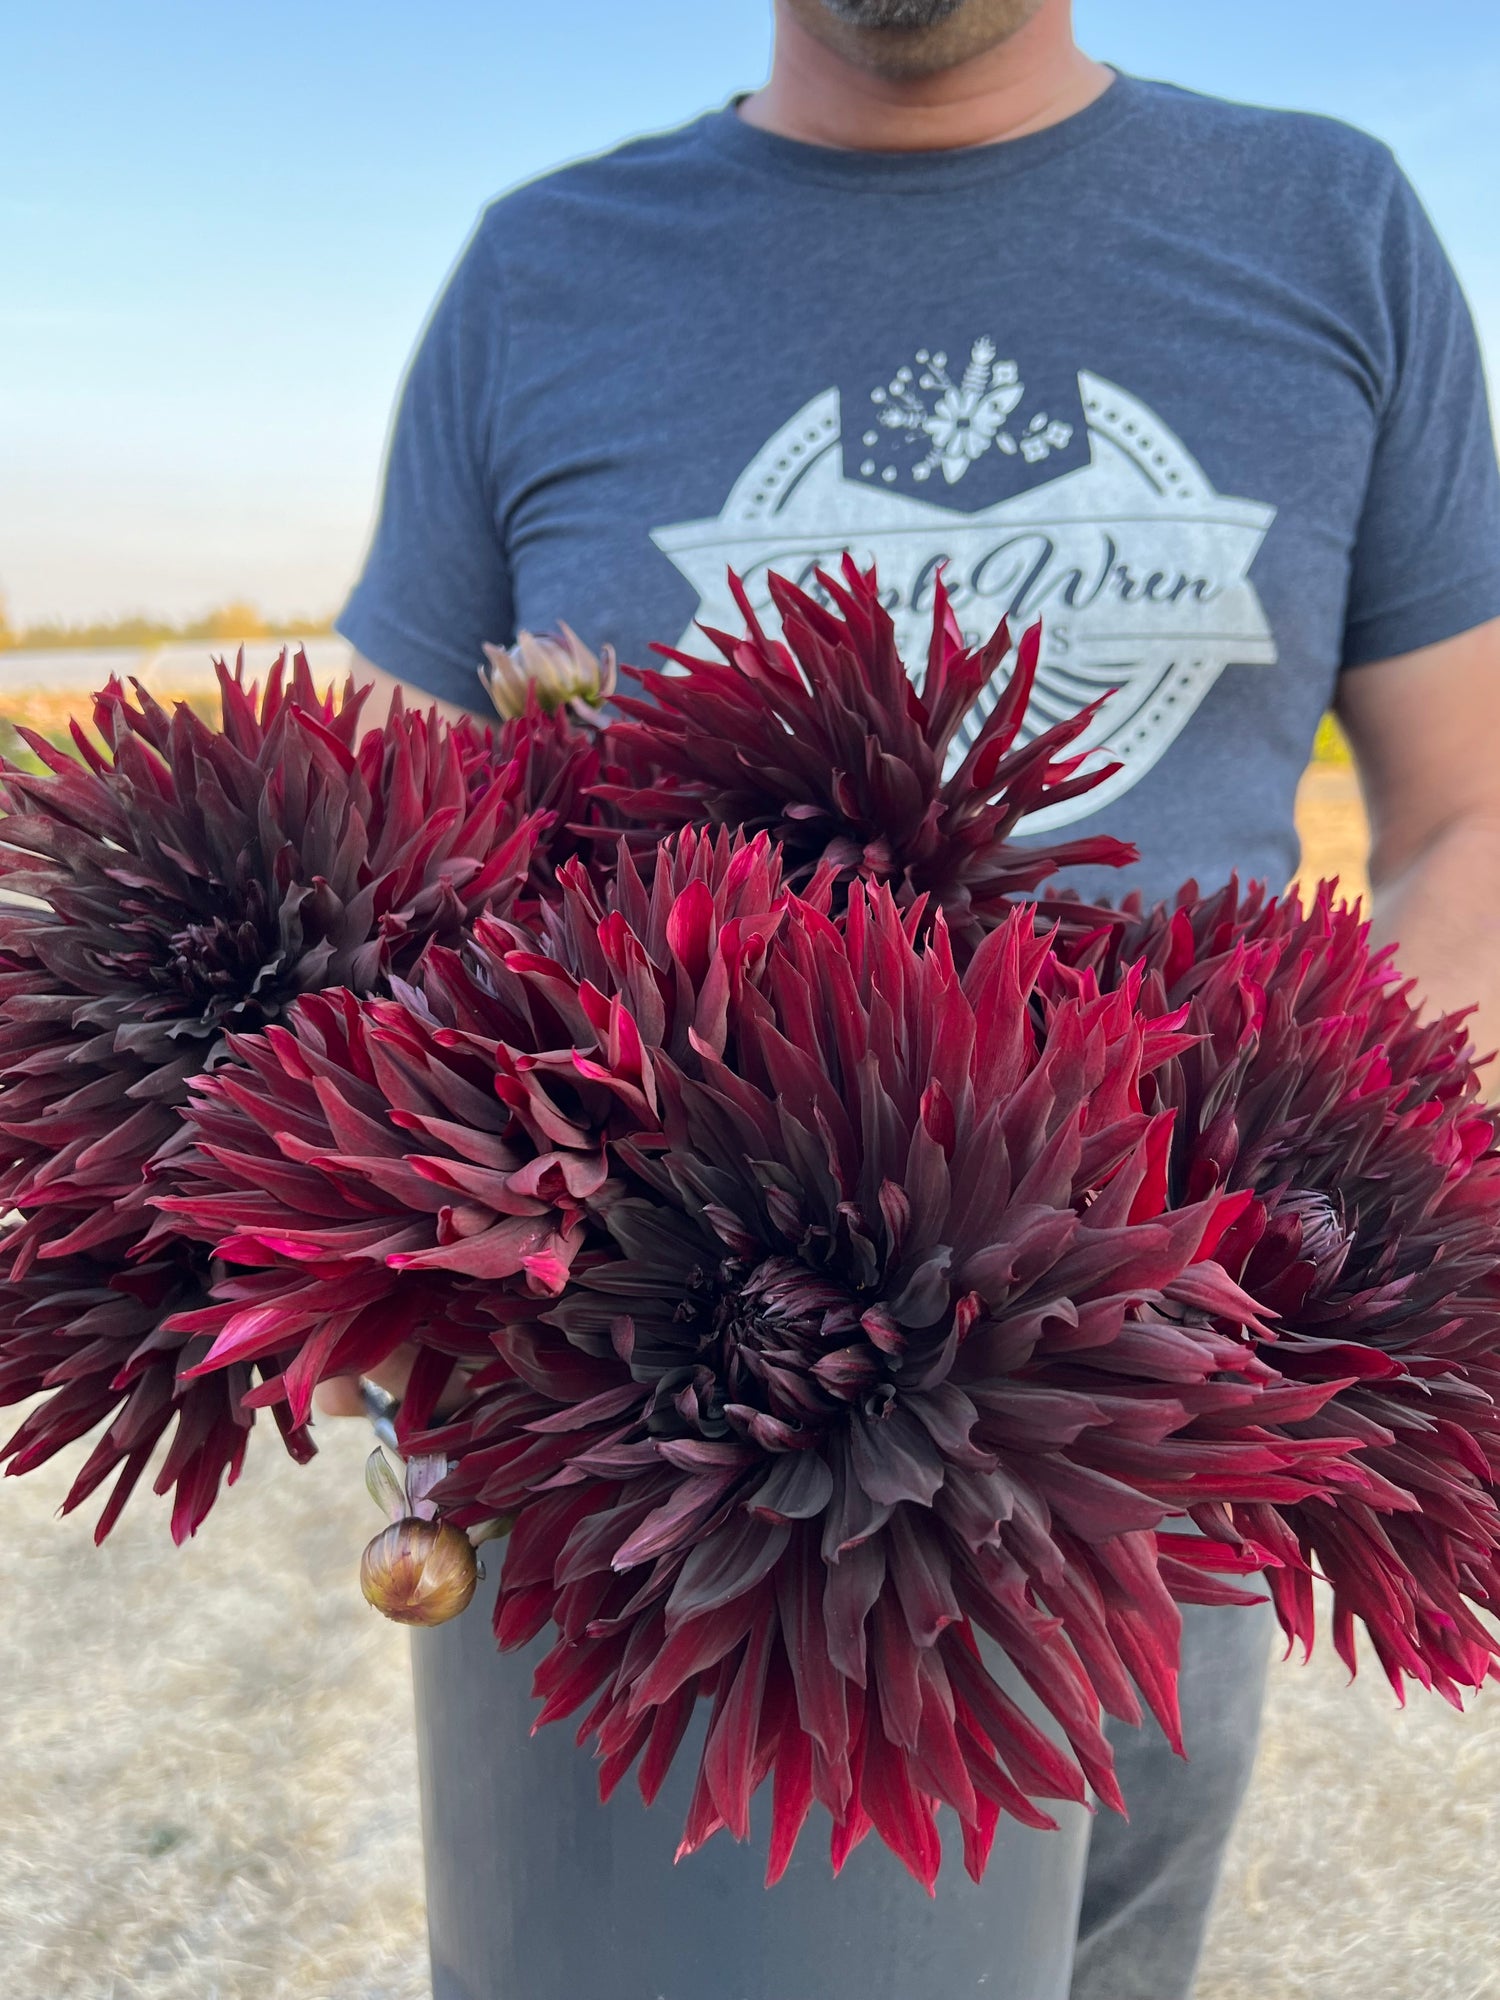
[(1036, 78)]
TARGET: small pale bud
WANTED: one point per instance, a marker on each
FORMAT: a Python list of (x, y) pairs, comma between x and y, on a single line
[(419, 1572), (558, 667)]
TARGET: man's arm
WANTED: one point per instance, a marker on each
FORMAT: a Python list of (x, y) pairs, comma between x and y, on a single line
[(386, 685), (1425, 731)]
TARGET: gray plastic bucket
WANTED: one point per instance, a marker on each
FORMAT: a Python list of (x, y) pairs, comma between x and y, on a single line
[(537, 1892)]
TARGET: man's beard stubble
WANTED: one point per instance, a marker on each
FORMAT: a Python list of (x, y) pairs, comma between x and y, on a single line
[(893, 13), (913, 38)]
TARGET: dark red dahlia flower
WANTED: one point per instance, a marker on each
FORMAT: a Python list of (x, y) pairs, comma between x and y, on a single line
[(451, 1137), (1315, 1083), (166, 884), (862, 1339), (823, 740)]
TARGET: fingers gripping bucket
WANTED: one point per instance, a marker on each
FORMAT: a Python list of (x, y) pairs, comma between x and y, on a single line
[(537, 1892)]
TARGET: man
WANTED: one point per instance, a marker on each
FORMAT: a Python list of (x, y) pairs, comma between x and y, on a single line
[(1190, 381)]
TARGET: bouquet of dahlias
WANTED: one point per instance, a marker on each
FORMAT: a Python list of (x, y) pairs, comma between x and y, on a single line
[(162, 885), (837, 1255)]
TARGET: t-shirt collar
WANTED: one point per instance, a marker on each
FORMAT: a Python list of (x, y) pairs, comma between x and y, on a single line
[(961, 166)]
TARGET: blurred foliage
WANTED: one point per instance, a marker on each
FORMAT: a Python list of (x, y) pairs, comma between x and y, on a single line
[(48, 711), (229, 621), (1331, 745), (14, 752)]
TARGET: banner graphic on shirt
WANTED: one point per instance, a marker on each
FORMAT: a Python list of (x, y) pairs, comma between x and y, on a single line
[(1137, 567)]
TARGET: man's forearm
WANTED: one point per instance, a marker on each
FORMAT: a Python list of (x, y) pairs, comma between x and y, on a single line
[(1425, 730), (384, 687), (1443, 914)]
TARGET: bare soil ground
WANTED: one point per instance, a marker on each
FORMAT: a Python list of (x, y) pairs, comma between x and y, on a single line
[(209, 1787)]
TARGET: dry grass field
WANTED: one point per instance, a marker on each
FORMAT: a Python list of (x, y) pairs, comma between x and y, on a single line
[(1331, 820), (209, 1786)]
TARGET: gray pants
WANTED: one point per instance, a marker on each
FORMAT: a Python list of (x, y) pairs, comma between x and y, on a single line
[(1150, 1883), (535, 1892)]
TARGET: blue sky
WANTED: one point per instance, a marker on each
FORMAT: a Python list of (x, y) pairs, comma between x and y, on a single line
[(220, 230)]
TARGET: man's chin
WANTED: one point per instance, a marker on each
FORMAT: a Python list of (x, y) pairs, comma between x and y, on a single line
[(913, 38)]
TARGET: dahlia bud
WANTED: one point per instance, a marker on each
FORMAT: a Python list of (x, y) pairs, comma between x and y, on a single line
[(419, 1572), (558, 665)]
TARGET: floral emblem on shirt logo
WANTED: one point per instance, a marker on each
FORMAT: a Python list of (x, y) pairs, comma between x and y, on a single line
[(966, 419)]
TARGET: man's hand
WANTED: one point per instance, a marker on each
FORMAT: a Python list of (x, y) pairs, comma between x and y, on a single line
[(340, 1395), (1425, 731)]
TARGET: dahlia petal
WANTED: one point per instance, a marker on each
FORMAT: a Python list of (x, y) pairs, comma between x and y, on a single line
[(668, 1725), (1035, 1761), (819, 1685), (617, 1764), (894, 1458), (1144, 1625), (940, 1760), (979, 1838), (695, 1646), (792, 1801), (570, 1674), (727, 1564), (895, 1675), (921, 1575), (797, 1488), (730, 1748), (898, 1812), (993, 1789), (501, 1251), (673, 1524), (521, 1616)]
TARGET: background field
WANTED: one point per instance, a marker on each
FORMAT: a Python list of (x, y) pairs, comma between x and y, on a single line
[(210, 1788)]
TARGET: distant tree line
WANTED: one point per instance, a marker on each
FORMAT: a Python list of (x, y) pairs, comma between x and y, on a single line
[(229, 621)]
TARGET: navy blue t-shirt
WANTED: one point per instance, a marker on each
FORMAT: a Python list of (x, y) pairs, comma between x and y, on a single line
[(1191, 381)]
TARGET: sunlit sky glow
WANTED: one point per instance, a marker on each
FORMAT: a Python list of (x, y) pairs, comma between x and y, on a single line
[(220, 230)]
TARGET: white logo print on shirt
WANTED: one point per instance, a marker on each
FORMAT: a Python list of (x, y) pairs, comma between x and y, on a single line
[(965, 422), (1137, 567)]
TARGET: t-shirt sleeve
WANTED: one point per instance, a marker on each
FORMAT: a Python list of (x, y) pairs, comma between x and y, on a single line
[(1426, 562), (435, 583)]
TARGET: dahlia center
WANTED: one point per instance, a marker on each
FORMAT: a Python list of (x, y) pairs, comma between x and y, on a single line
[(1324, 1234), (222, 971), (776, 1340)]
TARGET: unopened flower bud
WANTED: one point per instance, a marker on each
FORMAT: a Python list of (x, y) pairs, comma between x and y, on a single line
[(557, 665), (419, 1572)]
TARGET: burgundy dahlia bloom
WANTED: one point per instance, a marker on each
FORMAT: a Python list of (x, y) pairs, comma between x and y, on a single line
[(450, 1136), (823, 739), (166, 884), (1315, 1084), (860, 1341)]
